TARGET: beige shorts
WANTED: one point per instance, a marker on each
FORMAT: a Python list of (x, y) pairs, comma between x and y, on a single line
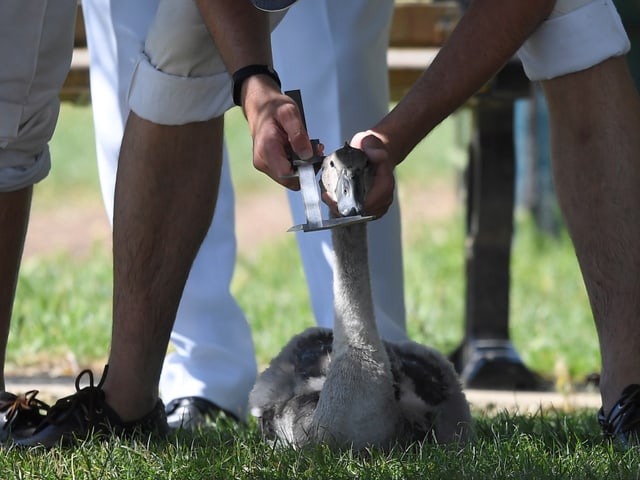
[(36, 43), (578, 35), (180, 76)]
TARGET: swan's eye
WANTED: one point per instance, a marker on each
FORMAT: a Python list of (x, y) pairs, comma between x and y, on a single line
[(332, 164)]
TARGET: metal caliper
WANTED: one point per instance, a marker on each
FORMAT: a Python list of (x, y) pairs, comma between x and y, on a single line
[(305, 170)]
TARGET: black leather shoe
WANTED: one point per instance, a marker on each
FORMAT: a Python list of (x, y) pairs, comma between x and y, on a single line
[(193, 413), (622, 424), (20, 414), (86, 413)]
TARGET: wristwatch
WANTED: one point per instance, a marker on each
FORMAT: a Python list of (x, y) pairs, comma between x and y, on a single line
[(273, 5), (250, 70)]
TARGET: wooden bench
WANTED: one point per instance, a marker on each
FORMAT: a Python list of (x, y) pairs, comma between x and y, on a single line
[(418, 30), (76, 85), (485, 358)]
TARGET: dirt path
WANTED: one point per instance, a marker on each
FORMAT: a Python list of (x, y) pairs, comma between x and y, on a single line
[(260, 218), (76, 229), (70, 229)]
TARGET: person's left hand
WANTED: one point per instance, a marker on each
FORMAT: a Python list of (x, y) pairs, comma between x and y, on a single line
[(380, 197)]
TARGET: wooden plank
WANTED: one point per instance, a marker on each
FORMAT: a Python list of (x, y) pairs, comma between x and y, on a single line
[(80, 38), (418, 30), (76, 85), (405, 66), (423, 24)]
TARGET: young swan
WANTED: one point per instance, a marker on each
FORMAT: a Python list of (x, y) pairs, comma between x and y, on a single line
[(349, 388)]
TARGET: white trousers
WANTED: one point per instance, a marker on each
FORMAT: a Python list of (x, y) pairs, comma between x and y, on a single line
[(335, 52), (214, 356)]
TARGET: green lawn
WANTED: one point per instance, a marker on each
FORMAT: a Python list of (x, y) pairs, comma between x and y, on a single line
[(543, 446)]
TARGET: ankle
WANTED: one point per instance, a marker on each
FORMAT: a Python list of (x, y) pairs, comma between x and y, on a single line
[(611, 388), (131, 405)]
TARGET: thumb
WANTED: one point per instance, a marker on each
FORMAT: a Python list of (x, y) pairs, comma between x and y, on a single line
[(366, 139)]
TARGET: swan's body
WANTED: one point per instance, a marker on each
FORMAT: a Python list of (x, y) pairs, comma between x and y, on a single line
[(348, 387)]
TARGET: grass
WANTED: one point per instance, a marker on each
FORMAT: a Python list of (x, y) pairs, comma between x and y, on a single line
[(63, 312), (547, 445), (74, 173)]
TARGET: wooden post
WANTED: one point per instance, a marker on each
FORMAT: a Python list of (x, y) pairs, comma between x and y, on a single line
[(486, 358)]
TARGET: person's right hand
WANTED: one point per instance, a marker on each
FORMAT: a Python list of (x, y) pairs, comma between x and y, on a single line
[(276, 126)]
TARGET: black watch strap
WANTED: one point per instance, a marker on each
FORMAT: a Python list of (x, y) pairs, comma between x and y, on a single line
[(273, 5), (245, 72)]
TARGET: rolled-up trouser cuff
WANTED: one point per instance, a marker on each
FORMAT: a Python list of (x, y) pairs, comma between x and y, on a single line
[(21, 170), (180, 77), (176, 100), (574, 41), (24, 152)]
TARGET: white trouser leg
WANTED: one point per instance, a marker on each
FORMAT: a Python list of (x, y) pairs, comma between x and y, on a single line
[(115, 34), (214, 356), (335, 53)]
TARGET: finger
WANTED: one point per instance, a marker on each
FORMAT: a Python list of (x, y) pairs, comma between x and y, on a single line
[(357, 139), (280, 171), (290, 119), (380, 197), (366, 139), (269, 157), (331, 203)]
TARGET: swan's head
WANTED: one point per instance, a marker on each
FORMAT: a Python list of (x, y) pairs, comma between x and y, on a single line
[(347, 176)]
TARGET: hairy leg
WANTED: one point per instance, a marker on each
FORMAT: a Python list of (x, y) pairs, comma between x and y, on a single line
[(14, 218), (595, 125), (165, 196)]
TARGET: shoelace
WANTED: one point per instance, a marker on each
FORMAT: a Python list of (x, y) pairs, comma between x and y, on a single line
[(625, 415), (21, 403), (89, 399)]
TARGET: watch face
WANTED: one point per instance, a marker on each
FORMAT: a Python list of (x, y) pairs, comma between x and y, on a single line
[(273, 5)]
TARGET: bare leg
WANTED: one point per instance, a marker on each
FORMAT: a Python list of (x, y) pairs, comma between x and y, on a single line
[(165, 196), (595, 125), (14, 218)]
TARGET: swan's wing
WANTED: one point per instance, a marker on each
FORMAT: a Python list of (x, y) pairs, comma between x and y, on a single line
[(290, 421), (286, 393), (429, 392), (311, 353)]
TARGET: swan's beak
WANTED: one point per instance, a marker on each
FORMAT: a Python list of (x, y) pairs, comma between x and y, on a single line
[(350, 195)]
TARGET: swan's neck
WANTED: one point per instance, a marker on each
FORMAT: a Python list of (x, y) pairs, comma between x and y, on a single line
[(356, 405), (354, 319)]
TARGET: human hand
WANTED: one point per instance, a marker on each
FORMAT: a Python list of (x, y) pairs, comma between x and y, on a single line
[(276, 126), (380, 197)]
